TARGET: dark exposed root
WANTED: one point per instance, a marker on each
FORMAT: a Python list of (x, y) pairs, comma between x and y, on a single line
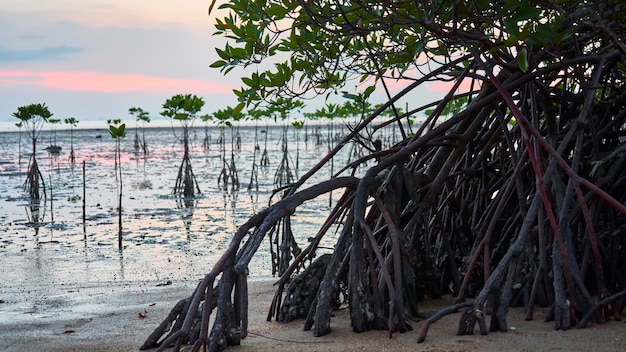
[(302, 290), (514, 198)]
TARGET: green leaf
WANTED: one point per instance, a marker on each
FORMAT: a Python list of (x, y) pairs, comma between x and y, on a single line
[(526, 13), (368, 91), (511, 26), (239, 107), (248, 81), (223, 53), (117, 131), (211, 6), (298, 124), (277, 10), (349, 95), (180, 117), (218, 64), (122, 130), (522, 59)]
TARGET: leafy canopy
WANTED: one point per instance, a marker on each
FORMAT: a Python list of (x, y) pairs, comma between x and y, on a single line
[(226, 116), (117, 129), (317, 47), (183, 108), (72, 121), (140, 114), (32, 117)]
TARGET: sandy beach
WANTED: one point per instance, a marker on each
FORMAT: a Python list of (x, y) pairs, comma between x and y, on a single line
[(108, 319)]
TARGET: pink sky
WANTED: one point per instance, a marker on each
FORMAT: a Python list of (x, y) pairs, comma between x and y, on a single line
[(99, 82), (96, 59)]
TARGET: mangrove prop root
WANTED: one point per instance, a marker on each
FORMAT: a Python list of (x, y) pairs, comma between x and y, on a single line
[(440, 314), (152, 340), (611, 300), (302, 290), (230, 296), (468, 320), (514, 197)]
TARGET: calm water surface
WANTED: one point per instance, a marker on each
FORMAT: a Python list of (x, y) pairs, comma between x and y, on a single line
[(161, 239)]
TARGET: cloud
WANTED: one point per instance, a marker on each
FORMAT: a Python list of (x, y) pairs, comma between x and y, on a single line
[(59, 52), (88, 81), (465, 86), (31, 36)]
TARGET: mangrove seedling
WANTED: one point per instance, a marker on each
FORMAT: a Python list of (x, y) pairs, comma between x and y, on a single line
[(53, 148), (117, 130), (19, 145), (228, 175), (206, 141), (143, 117), (255, 115), (183, 108), (32, 117), (281, 110), (72, 122)]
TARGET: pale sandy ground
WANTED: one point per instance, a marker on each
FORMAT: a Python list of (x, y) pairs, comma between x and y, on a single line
[(97, 319)]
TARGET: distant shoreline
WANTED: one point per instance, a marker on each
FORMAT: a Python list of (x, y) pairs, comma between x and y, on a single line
[(103, 129), (9, 127)]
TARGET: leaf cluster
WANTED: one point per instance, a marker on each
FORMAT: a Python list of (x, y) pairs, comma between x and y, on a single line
[(182, 107), (282, 108), (355, 105), (316, 47), (140, 114), (72, 121), (33, 112), (226, 116), (32, 117), (117, 129)]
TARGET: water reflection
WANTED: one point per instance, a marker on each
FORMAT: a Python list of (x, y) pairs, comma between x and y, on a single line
[(34, 213), (187, 204), (121, 261), (254, 200), (86, 201)]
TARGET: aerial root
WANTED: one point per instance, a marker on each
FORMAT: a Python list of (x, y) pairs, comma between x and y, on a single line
[(611, 300), (440, 314), (153, 340)]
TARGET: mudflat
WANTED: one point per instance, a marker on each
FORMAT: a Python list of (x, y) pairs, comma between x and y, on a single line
[(119, 317)]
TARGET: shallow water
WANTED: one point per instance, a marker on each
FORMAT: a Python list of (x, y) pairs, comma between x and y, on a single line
[(161, 240)]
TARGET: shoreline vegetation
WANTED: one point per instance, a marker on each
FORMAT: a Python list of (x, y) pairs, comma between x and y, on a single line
[(509, 195)]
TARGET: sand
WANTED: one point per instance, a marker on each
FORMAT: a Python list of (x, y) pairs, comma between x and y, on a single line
[(108, 319)]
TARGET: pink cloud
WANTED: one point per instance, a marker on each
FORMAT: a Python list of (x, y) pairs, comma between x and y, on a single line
[(465, 86), (108, 83), (395, 86)]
